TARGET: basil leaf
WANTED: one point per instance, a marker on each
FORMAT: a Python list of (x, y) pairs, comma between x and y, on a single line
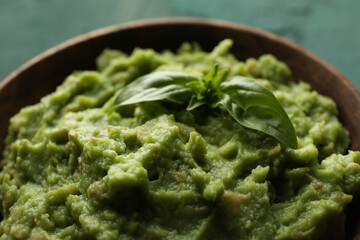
[(255, 107), (213, 79), (209, 77), (250, 104), (195, 102), (171, 86)]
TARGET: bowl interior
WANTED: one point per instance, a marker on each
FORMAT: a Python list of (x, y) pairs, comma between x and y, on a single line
[(42, 74)]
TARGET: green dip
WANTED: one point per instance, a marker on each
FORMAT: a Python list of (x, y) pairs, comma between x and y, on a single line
[(74, 170)]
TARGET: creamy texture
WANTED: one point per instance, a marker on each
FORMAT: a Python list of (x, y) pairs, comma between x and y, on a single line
[(74, 170)]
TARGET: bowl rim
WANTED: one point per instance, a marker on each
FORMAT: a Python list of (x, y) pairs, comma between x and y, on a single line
[(176, 21), (344, 85)]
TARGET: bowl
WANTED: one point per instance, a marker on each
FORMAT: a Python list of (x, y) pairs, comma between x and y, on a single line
[(43, 73)]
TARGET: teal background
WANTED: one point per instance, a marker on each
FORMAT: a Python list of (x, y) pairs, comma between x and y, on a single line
[(329, 28)]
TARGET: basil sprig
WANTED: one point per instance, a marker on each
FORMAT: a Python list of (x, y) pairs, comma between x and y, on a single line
[(250, 104)]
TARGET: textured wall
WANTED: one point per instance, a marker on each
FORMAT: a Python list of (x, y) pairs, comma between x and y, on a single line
[(330, 28)]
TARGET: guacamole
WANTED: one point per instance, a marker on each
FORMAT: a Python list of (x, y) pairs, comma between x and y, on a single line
[(74, 169)]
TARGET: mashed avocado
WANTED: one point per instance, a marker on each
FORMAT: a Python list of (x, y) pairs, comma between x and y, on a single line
[(72, 169)]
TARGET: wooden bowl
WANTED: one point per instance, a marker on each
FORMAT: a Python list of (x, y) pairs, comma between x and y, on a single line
[(42, 74)]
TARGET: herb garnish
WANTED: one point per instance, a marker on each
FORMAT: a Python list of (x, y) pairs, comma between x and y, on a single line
[(250, 104)]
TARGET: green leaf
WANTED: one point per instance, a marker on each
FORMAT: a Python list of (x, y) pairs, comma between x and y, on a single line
[(255, 107), (219, 78), (171, 86), (211, 75), (213, 79), (195, 102), (250, 104)]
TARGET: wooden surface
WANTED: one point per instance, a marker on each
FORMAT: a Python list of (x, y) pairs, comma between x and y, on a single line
[(42, 74)]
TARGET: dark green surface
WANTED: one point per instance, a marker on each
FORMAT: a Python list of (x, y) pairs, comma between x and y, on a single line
[(329, 28)]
